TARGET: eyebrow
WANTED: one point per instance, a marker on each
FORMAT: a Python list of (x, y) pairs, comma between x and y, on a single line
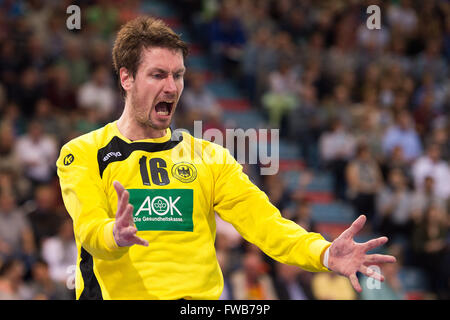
[(181, 70)]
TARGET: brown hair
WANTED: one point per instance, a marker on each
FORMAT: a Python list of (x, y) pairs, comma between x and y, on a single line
[(142, 32)]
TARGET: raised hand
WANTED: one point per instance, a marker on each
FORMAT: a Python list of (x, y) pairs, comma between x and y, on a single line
[(124, 230), (347, 257)]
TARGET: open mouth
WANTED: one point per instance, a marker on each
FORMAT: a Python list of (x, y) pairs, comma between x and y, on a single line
[(164, 108)]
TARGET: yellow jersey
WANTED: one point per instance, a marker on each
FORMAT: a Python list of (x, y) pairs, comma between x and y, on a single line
[(176, 183)]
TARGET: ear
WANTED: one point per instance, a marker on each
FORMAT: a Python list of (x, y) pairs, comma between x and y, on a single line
[(126, 79)]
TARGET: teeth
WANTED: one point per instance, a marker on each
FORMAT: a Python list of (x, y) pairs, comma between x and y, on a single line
[(163, 113)]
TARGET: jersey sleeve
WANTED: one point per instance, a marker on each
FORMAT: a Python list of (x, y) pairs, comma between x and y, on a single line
[(86, 201), (238, 201)]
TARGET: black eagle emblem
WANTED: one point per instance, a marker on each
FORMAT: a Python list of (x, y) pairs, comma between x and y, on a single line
[(184, 171)]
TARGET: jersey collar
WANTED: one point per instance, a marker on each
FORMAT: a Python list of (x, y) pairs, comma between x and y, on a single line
[(162, 139)]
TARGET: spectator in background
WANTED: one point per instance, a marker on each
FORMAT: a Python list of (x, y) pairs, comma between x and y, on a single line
[(16, 235), (364, 181), (370, 78), (339, 106), (396, 54), (222, 258), (425, 114), (85, 121), (74, 61), (425, 198), (331, 286), (282, 95), (55, 36), (446, 41), (372, 41), (37, 154), (386, 94), (275, 188), (305, 125), (396, 160), (226, 256), (431, 61), (286, 50), (430, 92), (313, 48), (35, 55), (59, 90), (394, 206), (251, 281), (302, 214), (431, 164), (54, 123), (60, 252), (254, 15), (198, 101), (340, 57), (97, 94), (12, 116), (8, 159), (369, 126), (9, 65), (44, 219), (28, 92), (403, 18), (226, 39), (289, 285), (337, 147), (258, 59), (37, 15), (431, 248), (103, 16), (440, 136), (43, 287), (12, 286), (399, 104), (296, 23), (403, 134), (390, 289), (14, 183)]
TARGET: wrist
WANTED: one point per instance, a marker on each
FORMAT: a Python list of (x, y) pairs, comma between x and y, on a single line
[(109, 236), (326, 256)]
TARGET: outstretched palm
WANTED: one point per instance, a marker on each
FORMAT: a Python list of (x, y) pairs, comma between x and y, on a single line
[(347, 257), (124, 230)]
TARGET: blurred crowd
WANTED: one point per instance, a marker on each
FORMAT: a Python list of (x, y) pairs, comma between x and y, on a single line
[(368, 107)]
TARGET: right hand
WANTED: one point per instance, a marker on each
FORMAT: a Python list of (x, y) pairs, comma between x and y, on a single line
[(124, 230)]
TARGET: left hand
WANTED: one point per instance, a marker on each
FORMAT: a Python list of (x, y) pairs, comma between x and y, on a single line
[(347, 257)]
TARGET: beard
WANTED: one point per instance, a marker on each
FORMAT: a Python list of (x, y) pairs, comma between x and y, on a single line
[(142, 115)]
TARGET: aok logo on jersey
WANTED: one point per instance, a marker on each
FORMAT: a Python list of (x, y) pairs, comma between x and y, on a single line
[(162, 209)]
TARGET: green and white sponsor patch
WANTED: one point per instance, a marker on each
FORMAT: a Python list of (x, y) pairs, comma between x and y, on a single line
[(162, 209)]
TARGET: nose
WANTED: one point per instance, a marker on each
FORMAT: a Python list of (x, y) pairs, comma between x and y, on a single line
[(169, 86)]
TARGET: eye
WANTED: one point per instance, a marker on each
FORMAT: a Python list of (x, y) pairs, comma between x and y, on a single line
[(178, 76), (158, 76)]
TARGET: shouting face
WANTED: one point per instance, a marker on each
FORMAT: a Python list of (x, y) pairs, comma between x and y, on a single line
[(153, 94)]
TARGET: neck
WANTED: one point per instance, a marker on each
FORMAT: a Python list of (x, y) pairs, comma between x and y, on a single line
[(133, 130)]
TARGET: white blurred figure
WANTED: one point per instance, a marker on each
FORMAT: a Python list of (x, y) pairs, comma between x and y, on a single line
[(432, 165), (97, 94), (60, 252), (37, 154)]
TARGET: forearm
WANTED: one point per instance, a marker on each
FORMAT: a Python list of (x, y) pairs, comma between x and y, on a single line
[(87, 204), (98, 239), (260, 223), (241, 203)]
